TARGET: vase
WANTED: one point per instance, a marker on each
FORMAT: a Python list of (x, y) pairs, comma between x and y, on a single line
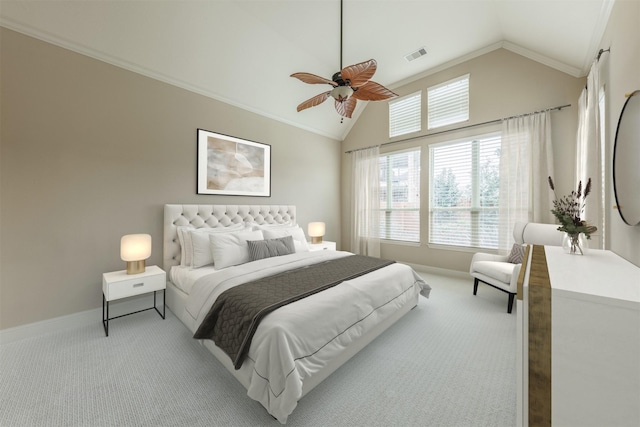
[(575, 244)]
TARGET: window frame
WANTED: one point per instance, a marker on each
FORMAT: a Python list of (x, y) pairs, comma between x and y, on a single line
[(444, 105), (408, 116), (475, 207), (388, 210)]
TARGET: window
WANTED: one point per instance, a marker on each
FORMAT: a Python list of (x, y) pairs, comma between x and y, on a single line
[(405, 114), (464, 192), (448, 102), (400, 196)]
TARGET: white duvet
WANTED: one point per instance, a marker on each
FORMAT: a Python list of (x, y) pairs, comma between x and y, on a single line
[(297, 340)]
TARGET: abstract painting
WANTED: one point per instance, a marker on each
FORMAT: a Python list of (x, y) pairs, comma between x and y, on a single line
[(233, 166)]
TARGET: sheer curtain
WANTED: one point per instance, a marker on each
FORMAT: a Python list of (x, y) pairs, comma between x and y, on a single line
[(365, 225), (589, 161), (526, 162)]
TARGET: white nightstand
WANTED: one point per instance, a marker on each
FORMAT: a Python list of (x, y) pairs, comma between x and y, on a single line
[(324, 246), (119, 284)]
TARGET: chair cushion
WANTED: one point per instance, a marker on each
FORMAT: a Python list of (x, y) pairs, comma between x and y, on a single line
[(501, 271), (517, 254)]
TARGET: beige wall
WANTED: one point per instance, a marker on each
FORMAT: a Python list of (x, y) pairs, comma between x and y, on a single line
[(90, 152), (620, 72), (502, 84)]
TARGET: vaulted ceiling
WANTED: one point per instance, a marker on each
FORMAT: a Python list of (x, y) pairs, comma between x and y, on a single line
[(243, 51)]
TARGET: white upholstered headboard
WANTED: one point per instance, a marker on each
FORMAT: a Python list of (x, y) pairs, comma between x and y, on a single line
[(199, 216)]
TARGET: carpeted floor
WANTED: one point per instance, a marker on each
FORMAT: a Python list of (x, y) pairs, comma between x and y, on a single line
[(449, 362)]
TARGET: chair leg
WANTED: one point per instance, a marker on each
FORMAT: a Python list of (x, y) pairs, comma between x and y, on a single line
[(510, 306), (475, 286)]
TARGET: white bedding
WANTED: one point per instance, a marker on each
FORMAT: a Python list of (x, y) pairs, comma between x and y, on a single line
[(298, 340)]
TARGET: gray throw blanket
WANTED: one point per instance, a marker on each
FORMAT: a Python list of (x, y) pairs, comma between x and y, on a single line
[(234, 317)]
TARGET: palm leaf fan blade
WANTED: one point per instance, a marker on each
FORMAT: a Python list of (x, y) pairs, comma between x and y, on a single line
[(346, 107), (373, 91), (313, 79), (360, 73), (312, 102)]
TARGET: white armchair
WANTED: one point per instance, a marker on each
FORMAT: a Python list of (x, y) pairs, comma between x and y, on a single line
[(495, 270)]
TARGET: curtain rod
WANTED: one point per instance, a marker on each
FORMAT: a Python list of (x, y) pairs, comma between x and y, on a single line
[(601, 51), (460, 128)]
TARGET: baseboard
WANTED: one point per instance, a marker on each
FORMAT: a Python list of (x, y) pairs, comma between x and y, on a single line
[(438, 270), (49, 326)]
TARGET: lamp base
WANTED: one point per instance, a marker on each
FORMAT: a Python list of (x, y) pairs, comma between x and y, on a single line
[(316, 239), (135, 267)]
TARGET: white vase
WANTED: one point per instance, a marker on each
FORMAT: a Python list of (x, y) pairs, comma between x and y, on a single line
[(575, 244)]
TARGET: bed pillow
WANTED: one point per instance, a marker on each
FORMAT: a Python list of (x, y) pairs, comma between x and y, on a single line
[(517, 254), (299, 239), (195, 243), (230, 249), (259, 249), (266, 226)]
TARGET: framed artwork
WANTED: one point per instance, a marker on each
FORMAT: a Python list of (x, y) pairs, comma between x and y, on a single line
[(233, 166)]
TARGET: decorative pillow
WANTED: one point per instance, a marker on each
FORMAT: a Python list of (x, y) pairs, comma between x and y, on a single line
[(196, 241), (299, 239), (517, 254), (230, 249), (259, 249)]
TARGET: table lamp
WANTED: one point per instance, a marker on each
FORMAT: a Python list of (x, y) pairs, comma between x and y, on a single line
[(135, 249), (316, 231)]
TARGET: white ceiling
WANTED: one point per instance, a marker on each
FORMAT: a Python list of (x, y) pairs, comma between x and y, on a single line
[(243, 51)]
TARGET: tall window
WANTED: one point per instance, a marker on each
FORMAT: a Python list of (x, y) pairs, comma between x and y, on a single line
[(405, 114), (448, 102), (400, 196), (464, 192)]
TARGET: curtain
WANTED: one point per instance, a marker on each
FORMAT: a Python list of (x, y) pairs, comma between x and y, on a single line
[(588, 153), (365, 224), (526, 162)]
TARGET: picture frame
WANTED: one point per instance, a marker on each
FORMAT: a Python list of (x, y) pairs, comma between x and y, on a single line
[(232, 166)]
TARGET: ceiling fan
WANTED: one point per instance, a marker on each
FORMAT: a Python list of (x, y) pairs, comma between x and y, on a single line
[(350, 84)]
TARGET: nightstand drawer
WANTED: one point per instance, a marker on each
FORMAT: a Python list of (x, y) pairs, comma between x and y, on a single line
[(132, 285)]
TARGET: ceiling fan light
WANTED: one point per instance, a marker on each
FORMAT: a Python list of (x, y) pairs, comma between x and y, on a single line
[(341, 93)]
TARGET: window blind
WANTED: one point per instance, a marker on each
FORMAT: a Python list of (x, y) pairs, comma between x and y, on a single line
[(400, 196), (464, 196), (405, 114), (448, 102)]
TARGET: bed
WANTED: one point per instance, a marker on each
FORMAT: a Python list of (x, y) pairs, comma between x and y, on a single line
[(298, 345)]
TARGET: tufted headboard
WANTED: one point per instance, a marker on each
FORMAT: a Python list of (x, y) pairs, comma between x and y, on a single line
[(213, 216)]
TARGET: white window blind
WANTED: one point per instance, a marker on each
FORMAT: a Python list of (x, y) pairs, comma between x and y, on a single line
[(400, 196), (448, 102), (464, 192), (405, 114)]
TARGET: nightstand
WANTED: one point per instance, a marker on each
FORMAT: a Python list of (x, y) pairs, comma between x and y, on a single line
[(119, 284), (323, 246)]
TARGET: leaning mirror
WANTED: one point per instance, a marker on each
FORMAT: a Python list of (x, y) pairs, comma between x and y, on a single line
[(626, 161)]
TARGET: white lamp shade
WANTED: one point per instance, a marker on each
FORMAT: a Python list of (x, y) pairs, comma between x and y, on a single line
[(135, 247), (316, 229)]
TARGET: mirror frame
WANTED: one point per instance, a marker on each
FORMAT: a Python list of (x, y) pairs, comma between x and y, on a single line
[(632, 97)]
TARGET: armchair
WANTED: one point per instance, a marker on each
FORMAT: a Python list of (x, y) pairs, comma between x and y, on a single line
[(495, 270)]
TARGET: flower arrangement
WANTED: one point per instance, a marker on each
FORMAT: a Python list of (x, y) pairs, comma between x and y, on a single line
[(568, 209)]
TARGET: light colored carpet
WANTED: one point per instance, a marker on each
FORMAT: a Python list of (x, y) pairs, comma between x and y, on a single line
[(449, 362)]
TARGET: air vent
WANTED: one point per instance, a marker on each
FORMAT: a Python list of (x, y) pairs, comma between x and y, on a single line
[(415, 55)]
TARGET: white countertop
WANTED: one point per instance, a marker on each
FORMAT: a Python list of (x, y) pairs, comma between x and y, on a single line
[(595, 275)]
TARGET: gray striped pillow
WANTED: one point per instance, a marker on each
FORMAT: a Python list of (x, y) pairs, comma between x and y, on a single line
[(259, 249)]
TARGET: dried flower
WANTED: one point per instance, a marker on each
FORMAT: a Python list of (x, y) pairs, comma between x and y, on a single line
[(568, 209)]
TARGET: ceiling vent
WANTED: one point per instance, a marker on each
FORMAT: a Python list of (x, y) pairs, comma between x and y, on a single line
[(415, 55)]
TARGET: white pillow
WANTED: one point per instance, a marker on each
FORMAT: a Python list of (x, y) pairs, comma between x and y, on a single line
[(195, 244), (231, 248), (266, 226), (299, 239)]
